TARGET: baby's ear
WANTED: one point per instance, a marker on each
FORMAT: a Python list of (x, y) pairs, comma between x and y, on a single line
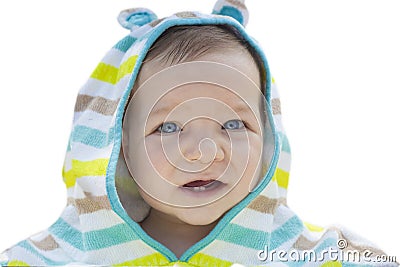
[(135, 17), (232, 8)]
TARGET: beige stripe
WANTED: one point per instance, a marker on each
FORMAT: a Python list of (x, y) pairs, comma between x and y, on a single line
[(351, 246), (236, 3), (98, 104), (156, 22), (276, 106), (185, 14), (302, 243), (46, 244), (266, 205), (90, 203)]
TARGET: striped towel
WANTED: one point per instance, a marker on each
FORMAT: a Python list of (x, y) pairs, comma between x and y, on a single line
[(94, 229)]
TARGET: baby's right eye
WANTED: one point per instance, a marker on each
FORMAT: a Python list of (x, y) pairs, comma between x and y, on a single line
[(168, 127)]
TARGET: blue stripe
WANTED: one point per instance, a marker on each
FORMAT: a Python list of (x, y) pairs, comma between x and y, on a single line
[(285, 232), (243, 236), (125, 43), (92, 137), (285, 143), (62, 230), (108, 237), (25, 244), (92, 240)]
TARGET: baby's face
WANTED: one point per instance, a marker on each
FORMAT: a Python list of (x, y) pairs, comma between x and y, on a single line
[(194, 146)]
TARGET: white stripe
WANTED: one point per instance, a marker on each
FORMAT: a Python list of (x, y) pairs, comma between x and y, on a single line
[(76, 254), (282, 192), (71, 217), (274, 91), (94, 87), (98, 220), (95, 185), (55, 255), (312, 236), (282, 215), (284, 161), (111, 255), (40, 236), (93, 120), (119, 253), (113, 58), (278, 122), (271, 191), (139, 32), (68, 161), (17, 253), (255, 220), (84, 152)]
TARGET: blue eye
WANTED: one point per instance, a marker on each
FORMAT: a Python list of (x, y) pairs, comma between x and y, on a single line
[(168, 127), (233, 125)]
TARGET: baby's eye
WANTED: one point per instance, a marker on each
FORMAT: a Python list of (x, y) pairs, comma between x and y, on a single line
[(233, 125), (168, 127)]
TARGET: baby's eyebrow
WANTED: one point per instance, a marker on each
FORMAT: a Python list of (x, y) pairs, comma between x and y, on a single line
[(161, 109)]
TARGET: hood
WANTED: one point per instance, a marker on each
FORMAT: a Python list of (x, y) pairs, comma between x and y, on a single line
[(94, 167), (95, 227)]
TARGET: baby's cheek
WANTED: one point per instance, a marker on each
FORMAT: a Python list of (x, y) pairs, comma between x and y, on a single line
[(156, 155)]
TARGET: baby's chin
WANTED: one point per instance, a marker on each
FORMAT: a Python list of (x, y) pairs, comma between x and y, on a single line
[(199, 216)]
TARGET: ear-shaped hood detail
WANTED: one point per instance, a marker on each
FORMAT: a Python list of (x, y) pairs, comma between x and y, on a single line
[(135, 17), (97, 229), (232, 8)]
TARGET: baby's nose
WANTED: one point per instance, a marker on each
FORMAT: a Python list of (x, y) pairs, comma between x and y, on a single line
[(203, 141)]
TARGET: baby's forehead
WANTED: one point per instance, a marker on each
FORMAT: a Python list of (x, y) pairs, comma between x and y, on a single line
[(215, 79), (197, 100)]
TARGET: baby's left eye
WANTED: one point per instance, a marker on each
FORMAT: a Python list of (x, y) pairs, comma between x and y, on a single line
[(233, 125)]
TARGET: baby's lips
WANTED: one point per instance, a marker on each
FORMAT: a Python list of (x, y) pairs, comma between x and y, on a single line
[(198, 183)]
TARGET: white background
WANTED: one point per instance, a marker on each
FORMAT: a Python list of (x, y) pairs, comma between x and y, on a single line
[(337, 64)]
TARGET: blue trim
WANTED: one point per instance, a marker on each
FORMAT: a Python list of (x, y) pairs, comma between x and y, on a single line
[(110, 176)]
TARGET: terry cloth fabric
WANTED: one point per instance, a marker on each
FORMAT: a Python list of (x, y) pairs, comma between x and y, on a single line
[(95, 229)]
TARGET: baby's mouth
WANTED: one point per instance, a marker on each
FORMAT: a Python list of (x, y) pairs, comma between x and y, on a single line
[(202, 185)]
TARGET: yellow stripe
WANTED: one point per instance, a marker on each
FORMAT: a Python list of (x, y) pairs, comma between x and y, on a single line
[(96, 167), (314, 228), (110, 74), (156, 259), (205, 260), (105, 73), (127, 67), (331, 264), (281, 177), (17, 263)]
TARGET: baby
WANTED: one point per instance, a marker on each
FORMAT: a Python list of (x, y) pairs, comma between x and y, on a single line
[(178, 158), (194, 146)]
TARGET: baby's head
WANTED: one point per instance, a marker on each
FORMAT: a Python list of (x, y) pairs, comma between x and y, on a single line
[(194, 146)]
